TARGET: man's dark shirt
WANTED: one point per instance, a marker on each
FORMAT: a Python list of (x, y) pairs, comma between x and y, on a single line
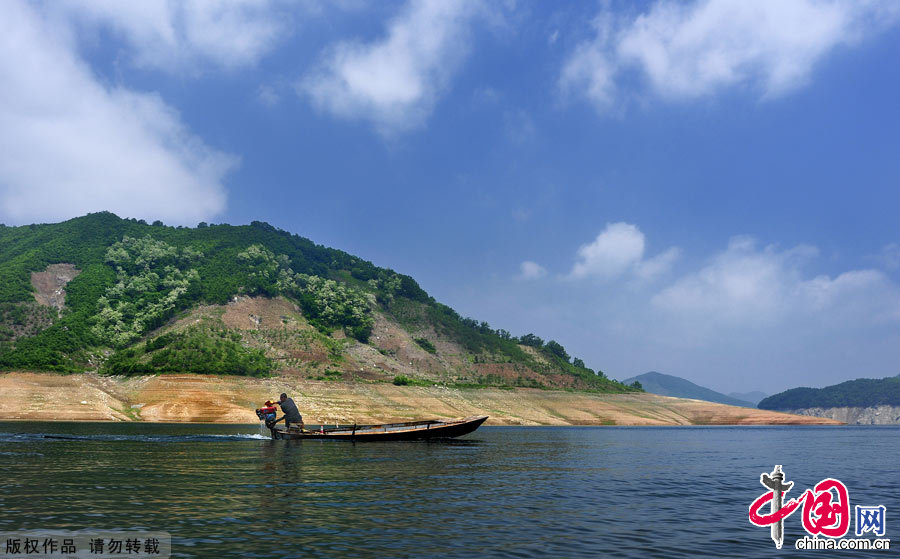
[(291, 413)]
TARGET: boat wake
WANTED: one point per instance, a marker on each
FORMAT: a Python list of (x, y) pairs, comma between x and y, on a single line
[(31, 437)]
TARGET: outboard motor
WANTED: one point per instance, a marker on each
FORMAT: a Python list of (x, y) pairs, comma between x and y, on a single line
[(267, 414)]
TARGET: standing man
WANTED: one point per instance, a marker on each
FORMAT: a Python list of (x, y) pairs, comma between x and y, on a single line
[(290, 411)]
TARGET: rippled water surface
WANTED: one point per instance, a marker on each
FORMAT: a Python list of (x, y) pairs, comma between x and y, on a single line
[(225, 491)]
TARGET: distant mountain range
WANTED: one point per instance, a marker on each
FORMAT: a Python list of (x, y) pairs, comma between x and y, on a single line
[(753, 397), (669, 385)]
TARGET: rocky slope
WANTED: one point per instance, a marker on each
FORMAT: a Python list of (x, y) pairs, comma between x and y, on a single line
[(873, 415)]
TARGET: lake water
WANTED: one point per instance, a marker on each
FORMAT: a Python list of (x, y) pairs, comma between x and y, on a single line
[(549, 492)]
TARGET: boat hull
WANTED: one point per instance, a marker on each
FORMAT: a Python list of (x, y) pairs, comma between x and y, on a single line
[(414, 430)]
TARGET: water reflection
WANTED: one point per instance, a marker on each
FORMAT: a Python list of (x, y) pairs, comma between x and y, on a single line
[(225, 491)]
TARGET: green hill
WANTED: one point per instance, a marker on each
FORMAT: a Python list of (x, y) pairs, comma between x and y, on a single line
[(121, 296), (859, 393), (669, 385)]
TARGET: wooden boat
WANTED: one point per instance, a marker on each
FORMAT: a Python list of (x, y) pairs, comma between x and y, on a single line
[(412, 430)]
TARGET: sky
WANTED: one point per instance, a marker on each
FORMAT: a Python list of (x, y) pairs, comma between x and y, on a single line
[(707, 189)]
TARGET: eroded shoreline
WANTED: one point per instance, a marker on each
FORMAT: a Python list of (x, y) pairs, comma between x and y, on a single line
[(222, 399)]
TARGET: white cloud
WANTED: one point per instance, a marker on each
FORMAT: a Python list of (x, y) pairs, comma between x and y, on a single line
[(618, 249), (745, 285), (689, 51), (657, 265), (865, 292), (591, 69), (395, 81), (69, 145), (529, 270), (740, 283), (173, 35)]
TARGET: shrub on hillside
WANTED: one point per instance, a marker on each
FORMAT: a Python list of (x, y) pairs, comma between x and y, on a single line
[(426, 344)]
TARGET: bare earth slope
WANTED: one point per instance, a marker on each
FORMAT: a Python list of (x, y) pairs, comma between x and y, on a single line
[(50, 285), (196, 398)]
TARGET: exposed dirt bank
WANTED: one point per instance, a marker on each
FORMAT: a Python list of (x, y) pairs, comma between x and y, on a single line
[(50, 285), (188, 398)]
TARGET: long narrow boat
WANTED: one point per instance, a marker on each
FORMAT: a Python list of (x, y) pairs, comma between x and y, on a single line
[(412, 430)]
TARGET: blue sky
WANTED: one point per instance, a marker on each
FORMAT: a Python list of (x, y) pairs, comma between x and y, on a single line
[(707, 189)]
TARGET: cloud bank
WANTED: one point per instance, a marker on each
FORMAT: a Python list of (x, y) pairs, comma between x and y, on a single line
[(748, 316), (71, 145), (746, 285), (687, 51)]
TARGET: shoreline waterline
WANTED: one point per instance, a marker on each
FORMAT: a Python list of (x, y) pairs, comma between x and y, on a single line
[(232, 400)]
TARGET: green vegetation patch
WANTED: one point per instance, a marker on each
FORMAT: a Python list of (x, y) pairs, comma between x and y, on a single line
[(330, 374), (403, 380), (197, 349), (153, 278), (425, 344)]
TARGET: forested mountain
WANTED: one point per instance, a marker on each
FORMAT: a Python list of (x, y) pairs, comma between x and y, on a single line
[(859, 393), (121, 296)]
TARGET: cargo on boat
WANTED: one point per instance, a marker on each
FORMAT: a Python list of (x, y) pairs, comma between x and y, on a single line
[(412, 430)]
